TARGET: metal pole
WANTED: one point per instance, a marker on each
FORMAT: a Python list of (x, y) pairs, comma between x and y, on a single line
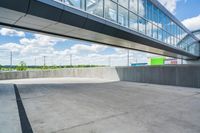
[(10, 60), (70, 56), (181, 61), (52, 63), (35, 61), (128, 58), (109, 61), (44, 60)]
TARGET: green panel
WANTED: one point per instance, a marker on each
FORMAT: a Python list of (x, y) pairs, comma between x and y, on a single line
[(157, 61)]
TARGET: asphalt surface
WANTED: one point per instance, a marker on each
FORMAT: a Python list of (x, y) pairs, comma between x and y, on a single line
[(79, 105)]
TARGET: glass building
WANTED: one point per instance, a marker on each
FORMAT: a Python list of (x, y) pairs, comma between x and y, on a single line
[(197, 33), (142, 16)]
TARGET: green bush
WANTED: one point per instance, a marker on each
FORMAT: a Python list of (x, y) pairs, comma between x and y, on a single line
[(44, 67), (22, 66), (1, 67)]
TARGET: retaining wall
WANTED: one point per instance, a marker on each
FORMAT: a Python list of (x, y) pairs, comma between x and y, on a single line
[(180, 75)]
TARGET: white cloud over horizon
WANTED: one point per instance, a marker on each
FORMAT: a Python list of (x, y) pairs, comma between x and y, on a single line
[(32, 50), (11, 32), (39, 44)]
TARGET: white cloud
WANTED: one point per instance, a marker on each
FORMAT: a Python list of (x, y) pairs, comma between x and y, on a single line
[(78, 48), (192, 23), (170, 4), (31, 53), (40, 40), (11, 47), (11, 32), (40, 45), (36, 46)]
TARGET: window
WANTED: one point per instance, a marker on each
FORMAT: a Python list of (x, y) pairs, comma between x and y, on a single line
[(178, 32), (164, 37), (110, 10), (165, 22), (142, 23), (175, 41), (149, 29), (160, 20), (133, 6), (75, 3), (168, 24), (172, 41), (124, 3), (95, 7), (192, 49), (133, 21), (149, 11), (155, 15), (168, 37), (142, 7), (160, 36), (155, 32), (123, 16), (173, 28)]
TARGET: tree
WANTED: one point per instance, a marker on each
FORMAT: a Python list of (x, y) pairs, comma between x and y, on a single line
[(22, 66)]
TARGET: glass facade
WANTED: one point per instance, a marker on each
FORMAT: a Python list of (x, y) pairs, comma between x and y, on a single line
[(122, 16), (95, 7), (110, 10), (142, 16), (197, 34)]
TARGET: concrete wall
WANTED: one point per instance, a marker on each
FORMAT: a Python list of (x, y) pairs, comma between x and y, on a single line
[(99, 72), (180, 75), (193, 62), (186, 75)]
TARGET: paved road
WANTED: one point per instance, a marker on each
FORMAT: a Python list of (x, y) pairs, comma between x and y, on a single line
[(75, 105)]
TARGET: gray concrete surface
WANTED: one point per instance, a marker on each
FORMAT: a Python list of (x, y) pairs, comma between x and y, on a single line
[(9, 118), (179, 75), (79, 105)]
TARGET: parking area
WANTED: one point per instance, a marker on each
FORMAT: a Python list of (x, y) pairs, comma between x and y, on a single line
[(83, 105)]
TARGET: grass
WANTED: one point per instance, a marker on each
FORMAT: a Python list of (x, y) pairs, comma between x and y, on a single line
[(26, 68)]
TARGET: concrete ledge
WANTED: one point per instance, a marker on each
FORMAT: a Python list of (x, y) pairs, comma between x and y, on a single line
[(179, 75)]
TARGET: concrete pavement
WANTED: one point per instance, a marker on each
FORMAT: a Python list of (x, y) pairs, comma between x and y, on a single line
[(79, 105), (9, 118)]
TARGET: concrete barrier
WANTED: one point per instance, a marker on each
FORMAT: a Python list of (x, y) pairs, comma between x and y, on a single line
[(97, 72), (179, 75)]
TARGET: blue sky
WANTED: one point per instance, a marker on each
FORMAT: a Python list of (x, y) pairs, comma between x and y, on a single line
[(31, 47), (187, 9)]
